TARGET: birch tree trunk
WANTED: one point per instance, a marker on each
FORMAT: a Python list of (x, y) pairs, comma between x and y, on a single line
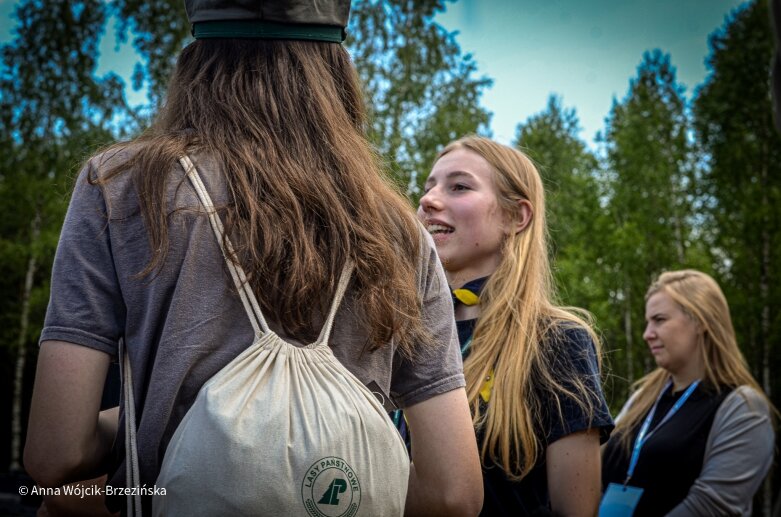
[(21, 357), (680, 245), (630, 377)]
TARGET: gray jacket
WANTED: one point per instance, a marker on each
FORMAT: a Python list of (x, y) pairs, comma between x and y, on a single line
[(738, 455)]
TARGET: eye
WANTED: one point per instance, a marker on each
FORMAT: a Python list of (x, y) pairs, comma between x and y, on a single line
[(459, 186)]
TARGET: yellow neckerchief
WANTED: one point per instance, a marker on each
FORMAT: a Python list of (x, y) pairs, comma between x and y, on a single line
[(466, 296), (469, 298), (488, 383)]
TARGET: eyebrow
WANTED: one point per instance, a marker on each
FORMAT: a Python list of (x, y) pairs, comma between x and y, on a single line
[(451, 175), (654, 315)]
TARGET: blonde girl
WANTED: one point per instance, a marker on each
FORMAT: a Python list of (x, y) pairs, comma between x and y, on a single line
[(712, 453), (532, 367)]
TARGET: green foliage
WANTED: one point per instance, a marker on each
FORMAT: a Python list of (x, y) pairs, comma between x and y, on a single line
[(48, 84), (741, 181), (160, 31), (574, 213), (645, 180), (54, 110), (419, 87)]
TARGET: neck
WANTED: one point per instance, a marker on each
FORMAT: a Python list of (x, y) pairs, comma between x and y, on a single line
[(682, 379), (466, 312), (457, 279)]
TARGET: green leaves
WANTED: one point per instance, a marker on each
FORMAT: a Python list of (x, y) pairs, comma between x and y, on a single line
[(420, 89), (568, 170), (742, 180), (160, 30), (54, 111)]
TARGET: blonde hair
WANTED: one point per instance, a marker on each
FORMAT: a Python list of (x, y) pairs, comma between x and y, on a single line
[(518, 331), (701, 299)]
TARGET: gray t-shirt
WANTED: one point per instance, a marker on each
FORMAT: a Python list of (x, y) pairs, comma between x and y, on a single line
[(184, 323)]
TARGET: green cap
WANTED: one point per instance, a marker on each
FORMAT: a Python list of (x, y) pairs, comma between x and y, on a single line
[(316, 20)]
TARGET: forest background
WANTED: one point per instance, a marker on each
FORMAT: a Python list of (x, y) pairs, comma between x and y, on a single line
[(674, 181)]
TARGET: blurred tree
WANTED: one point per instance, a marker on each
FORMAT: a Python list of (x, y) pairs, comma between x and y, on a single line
[(576, 220), (646, 180), (742, 183), (160, 30), (54, 110), (419, 87)]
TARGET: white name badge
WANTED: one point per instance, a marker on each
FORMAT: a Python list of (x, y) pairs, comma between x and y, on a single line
[(619, 500)]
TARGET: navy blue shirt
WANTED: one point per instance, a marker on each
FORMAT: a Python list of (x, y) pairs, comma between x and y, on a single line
[(573, 356)]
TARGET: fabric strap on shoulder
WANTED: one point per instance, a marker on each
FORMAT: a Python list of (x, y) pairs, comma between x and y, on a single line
[(344, 281), (132, 473), (251, 306)]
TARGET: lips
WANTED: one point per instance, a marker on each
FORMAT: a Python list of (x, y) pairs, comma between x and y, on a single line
[(435, 227)]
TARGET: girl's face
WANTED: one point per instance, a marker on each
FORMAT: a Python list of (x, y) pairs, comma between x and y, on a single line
[(672, 336), (461, 212)]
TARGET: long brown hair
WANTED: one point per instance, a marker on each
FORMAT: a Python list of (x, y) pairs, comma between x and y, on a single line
[(520, 327), (286, 119), (701, 299)]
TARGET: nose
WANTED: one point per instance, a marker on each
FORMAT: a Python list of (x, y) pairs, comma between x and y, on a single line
[(648, 333), (430, 201)]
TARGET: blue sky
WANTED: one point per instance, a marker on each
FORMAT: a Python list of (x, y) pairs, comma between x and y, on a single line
[(584, 50)]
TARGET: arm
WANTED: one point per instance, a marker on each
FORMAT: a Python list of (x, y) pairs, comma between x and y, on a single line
[(68, 438), (445, 476), (737, 458), (573, 469), (72, 505)]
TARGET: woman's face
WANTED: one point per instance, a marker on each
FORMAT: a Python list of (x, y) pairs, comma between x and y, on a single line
[(672, 336), (461, 212)]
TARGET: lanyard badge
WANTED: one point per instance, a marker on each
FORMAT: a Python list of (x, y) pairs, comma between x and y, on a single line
[(621, 500), (645, 434)]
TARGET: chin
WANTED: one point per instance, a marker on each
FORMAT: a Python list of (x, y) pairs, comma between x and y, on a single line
[(663, 365)]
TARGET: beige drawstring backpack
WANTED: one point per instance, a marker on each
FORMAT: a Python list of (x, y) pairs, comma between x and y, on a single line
[(280, 431)]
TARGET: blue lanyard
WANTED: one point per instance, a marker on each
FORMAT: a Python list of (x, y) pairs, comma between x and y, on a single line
[(645, 434), (466, 345)]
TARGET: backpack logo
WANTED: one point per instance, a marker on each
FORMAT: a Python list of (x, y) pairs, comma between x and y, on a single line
[(331, 489), (331, 496)]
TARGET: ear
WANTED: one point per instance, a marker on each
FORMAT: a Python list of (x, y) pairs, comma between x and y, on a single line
[(524, 215)]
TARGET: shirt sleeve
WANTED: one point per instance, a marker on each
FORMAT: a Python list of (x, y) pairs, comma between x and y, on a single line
[(575, 358), (438, 368), (85, 305), (738, 456)]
